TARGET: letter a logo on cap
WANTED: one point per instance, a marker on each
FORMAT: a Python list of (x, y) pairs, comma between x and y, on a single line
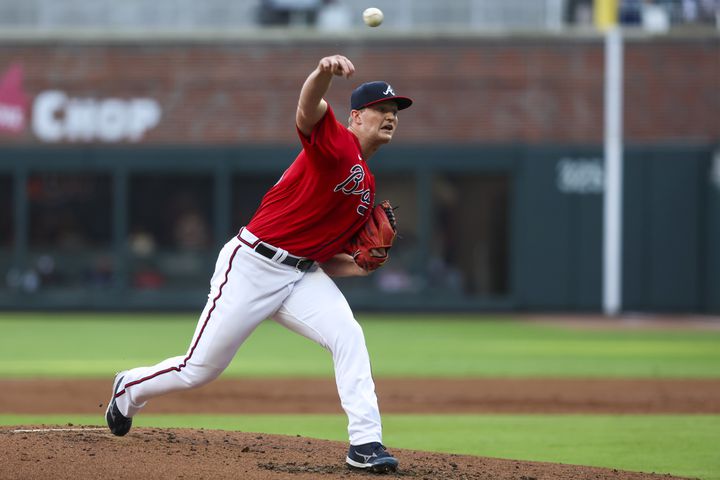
[(389, 91)]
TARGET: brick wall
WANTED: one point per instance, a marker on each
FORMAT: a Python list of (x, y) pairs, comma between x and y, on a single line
[(491, 90)]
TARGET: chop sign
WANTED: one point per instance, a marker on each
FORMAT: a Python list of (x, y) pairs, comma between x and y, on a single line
[(57, 117)]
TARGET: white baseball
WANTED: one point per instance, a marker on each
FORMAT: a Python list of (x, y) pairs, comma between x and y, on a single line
[(373, 17)]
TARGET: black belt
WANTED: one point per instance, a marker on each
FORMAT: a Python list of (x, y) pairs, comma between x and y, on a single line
[(302, 264)]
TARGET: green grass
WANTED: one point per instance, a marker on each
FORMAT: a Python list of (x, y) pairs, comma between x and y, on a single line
[(683, 445), (96, 345), (409, 345)]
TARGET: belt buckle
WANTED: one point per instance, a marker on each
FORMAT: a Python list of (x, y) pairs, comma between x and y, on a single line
[(303, 264)]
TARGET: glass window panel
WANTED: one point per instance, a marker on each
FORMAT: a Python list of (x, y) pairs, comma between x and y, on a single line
[(7, 233), (401, 273), (469, 246), (70, 231), (70, 211), (171, 221), (248, 191), (7, 211), (174, 210)]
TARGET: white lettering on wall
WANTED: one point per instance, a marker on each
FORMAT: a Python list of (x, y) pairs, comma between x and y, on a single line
[(57, 117), (45, 108), (578, 175), (11, 117)]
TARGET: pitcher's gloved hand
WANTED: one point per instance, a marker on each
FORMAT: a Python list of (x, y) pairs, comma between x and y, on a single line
[(371, 244)]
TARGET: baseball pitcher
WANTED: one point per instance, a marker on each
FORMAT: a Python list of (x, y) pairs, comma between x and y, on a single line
[(319, 220)]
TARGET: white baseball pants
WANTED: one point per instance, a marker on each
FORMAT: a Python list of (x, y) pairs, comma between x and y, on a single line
[(245, 289)]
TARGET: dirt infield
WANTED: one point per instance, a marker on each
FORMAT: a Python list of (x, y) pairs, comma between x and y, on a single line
[(396, 396), (86, 453), (196, 454)]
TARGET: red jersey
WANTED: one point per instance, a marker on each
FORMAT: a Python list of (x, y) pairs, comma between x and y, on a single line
[(322, 199)]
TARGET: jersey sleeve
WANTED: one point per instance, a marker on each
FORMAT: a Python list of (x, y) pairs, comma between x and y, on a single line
[(325, 141)]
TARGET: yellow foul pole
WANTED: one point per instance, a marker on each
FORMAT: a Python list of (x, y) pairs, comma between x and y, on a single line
[(605, 14)]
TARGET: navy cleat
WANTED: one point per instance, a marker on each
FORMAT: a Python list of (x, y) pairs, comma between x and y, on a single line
[(119, 424), (371, 456)]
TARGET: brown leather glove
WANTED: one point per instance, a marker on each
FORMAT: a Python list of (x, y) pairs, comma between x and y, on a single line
[(371, 244)]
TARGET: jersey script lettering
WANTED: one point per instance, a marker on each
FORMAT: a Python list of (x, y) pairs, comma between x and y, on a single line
[(352, 185)]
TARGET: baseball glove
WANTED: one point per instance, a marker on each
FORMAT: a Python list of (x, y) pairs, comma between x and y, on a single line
[(371, 244)]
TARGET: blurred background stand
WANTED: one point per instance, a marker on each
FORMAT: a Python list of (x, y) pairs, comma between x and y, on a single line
[(136, 137)]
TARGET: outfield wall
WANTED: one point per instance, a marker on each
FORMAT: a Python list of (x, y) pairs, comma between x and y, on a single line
[(482, 228), (125, 164)]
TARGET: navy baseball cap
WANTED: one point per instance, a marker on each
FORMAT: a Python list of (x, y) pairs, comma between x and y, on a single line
[(375, 92)]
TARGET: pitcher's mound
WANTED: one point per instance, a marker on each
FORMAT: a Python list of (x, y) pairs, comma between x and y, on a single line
[(41, 452)]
